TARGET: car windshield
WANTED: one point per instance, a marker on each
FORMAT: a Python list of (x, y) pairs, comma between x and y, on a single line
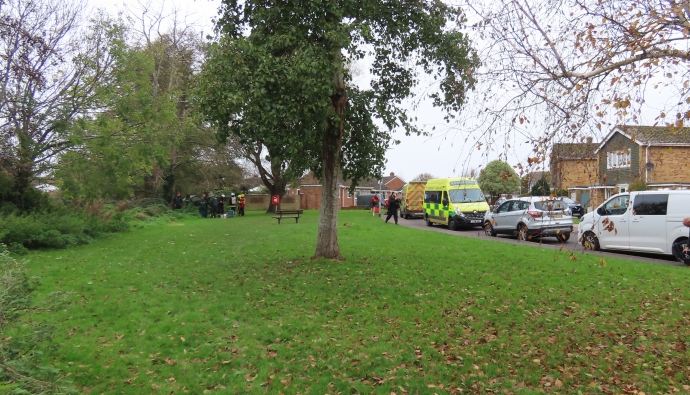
[(466, 195), (569, 200), (550, 205)]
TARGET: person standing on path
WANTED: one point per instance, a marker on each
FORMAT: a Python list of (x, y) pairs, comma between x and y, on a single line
[(393, 206)]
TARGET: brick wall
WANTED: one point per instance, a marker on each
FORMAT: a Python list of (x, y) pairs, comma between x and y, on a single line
[(311, 197), (671, 164), (260, 202), (256, 202), (580, 172)]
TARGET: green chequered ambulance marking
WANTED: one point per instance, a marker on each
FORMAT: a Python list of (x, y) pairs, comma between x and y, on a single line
[(435, 210)]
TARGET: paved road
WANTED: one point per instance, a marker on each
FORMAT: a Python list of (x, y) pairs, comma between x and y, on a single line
[(548, 242)]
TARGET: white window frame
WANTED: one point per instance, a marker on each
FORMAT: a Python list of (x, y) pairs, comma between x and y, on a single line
[(618, 159)]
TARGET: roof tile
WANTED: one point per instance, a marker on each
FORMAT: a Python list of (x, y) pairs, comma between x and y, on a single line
[(657, 134)]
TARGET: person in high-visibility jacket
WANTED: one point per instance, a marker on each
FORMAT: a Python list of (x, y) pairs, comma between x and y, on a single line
[(241, 212)]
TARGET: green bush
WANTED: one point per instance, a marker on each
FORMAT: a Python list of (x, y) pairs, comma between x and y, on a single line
[(541, 188), (57, 229), (21, 367), (15, 287), (637, 185), (156, 210)]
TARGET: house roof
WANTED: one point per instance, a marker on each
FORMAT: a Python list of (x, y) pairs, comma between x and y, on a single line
[(538, 175), (390, 178), (310, 179), (651, 135), (574, 151), (374, 184)]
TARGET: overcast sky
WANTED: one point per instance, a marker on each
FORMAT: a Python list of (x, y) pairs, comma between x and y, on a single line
[(443, 153)]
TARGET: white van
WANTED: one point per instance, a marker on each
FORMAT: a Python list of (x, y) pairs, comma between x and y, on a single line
[(647, 221)]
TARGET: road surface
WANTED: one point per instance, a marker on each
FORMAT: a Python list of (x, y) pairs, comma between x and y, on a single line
[(548, 242)]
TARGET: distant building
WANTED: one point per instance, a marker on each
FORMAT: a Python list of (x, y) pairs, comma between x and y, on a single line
[(657, 155), (310, 189)]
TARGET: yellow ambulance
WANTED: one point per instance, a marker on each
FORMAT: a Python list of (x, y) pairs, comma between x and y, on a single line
[(454, 202), (412, 199)]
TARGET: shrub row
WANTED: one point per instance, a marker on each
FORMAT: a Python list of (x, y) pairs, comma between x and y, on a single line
[(22, 369), (62, 226)]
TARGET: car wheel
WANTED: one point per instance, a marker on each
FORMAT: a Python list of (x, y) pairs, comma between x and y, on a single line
[(452, 225), (678, 246), (590, 241), (428, 223), (563, 237), (489, 229), (522, 233)]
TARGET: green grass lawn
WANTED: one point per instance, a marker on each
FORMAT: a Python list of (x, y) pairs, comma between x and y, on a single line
[(237, 306)]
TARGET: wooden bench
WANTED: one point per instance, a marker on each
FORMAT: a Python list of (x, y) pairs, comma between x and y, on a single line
[(282, 214)]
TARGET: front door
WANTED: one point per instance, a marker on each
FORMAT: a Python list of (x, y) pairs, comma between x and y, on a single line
[(612, 227)]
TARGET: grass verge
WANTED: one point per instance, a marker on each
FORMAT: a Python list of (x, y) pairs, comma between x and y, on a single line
[(237, 306)]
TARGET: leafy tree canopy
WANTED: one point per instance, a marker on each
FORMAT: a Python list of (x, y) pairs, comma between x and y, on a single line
[(278, 76), (541, 188), (498, 177), (562, 70), (424, 177)]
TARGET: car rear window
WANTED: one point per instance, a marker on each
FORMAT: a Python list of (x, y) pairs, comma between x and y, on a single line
[(550, 205)]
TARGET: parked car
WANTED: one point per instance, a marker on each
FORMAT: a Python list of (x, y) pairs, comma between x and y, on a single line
[(530, 217), (646, 221), (575, 208)]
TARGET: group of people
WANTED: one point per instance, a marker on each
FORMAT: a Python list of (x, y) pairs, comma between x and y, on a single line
[(213, 204), (393, 204)]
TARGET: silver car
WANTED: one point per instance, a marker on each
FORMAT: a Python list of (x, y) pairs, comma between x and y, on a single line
[(530, 217)]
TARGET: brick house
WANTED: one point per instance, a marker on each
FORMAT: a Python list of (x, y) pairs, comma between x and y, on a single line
[(310, 189), (575, 167), (657, 155)]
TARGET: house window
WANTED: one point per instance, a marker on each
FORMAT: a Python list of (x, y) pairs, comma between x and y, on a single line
[(298, 191), (618, 159), (348, 193)]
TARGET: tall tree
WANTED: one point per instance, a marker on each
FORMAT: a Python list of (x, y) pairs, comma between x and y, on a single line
[(424, 177), (147, 139), (51, 67), (498, 177), (564, 69), (274, 172), (541, 188), (278, 74)]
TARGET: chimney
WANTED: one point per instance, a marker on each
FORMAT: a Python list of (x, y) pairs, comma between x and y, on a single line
[(589, 140), (392, 174)]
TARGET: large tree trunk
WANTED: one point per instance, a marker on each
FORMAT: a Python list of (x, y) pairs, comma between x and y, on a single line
[(327, 235), (278, 188), (24, 173)]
